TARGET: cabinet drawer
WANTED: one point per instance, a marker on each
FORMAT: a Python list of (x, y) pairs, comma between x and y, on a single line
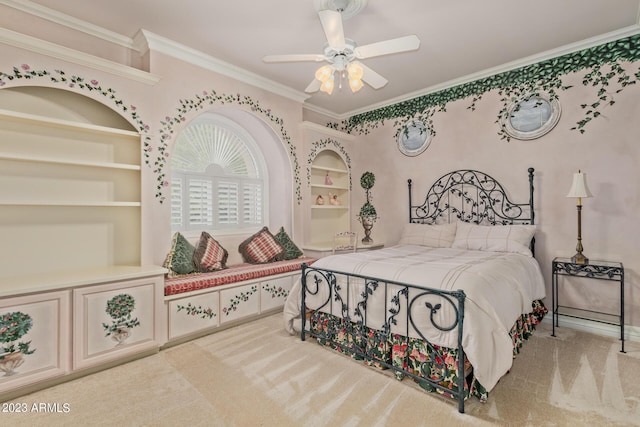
[(236, 303), (115, 320), (192, 314), (40, 325), (274, 292)]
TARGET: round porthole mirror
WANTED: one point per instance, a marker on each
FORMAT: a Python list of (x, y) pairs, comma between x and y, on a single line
[(532, 118), (414, 138)]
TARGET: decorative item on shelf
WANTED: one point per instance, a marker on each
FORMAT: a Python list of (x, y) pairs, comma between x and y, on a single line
[(120, 308), (13, 326), (319, 200), (579, 190), (368, 214), (327, 179), (333, 200)]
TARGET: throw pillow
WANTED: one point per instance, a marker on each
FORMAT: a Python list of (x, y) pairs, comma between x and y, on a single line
[(290, 248), (261, 248), (180, 257), (431, 235), (495, 238), (209, 254)]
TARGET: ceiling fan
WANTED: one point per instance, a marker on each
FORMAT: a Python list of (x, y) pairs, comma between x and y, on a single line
[(343, 56)]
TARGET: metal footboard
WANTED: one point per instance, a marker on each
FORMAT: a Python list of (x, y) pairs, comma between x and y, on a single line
[(351, 297)]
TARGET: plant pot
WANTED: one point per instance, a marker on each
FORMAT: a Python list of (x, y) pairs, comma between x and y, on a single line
[(367, 224), (10, 362), (120, 335)]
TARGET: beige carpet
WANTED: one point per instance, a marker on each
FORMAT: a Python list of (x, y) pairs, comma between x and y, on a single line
[(257, 375)]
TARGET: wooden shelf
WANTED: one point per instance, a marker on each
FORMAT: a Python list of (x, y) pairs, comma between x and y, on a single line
[(330, 187), (328, 169), (329, 207), (69, 203), (36, 159), (65, 124)]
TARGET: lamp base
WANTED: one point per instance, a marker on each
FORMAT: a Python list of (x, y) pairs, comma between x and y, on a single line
[(579, 258)]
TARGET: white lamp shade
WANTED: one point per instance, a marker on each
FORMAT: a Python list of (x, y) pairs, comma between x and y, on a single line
[(579, 187)]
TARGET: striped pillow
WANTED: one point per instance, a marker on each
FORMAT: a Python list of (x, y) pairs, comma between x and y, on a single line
[(261, 248), (494, 238), (209, 254)]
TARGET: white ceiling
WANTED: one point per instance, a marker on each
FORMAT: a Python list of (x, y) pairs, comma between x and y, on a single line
[(459, 38)]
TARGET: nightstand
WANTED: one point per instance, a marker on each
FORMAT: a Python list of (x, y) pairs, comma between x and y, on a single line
[(603, 270)]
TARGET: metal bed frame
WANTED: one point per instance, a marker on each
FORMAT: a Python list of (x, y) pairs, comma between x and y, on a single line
[(465, 195)]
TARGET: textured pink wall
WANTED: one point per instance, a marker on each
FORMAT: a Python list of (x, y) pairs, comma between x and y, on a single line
[(608, 152)]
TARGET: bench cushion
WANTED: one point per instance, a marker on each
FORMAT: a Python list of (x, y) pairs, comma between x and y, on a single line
[(233, 274)]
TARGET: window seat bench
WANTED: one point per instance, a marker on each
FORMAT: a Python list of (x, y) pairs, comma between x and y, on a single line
[(197, 304)]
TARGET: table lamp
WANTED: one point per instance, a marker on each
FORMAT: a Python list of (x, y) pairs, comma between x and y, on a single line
[(579, 190)]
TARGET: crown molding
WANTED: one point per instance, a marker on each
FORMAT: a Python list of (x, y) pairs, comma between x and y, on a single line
[(43, 47), (327, 131), (65, 20), (563, 50), (184, 53)]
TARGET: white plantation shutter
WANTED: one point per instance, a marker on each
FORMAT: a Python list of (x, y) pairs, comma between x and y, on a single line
[(200, 202), (176, 203), (252, 203), (228, 204), (218, 177)]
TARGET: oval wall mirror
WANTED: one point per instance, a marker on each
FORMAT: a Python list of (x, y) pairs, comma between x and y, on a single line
[(414, 138), (532, 118)]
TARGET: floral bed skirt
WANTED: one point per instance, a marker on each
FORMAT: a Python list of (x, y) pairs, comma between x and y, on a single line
[(416, 357)]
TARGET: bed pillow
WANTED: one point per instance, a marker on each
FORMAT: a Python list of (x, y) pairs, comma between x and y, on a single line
[(495, 238), (261, 248), (209, 254), (431, 235), (290, 248), (180, 257)]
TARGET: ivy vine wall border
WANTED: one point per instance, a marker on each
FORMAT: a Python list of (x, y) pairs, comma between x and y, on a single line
[(212, 98), (603, 69), (321, 145)]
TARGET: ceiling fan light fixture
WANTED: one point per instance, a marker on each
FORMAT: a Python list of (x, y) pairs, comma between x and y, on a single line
[(324, 73), (355, 85), (355, 71), (327, 86)]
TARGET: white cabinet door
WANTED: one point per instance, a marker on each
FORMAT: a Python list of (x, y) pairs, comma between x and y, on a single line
[(115, 320), (34, 335), (274, 292), (193, 314), (239, 302)]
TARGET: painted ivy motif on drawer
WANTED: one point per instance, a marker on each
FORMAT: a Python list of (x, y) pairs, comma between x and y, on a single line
[(235, 301), (120, 309), (278, 292), (14, 326), (192, 310)]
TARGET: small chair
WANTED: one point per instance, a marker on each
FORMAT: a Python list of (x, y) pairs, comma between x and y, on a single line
[(345, 241)]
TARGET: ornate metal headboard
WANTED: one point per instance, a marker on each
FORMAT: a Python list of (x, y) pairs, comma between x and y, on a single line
[(471, 196)]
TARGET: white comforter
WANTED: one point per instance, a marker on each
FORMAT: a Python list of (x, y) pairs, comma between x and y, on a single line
[(499, 288)]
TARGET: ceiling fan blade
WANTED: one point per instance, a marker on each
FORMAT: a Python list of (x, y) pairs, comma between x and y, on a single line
[(401, 44), (314, 86), (294, 58), (332, 25), (372, 78)]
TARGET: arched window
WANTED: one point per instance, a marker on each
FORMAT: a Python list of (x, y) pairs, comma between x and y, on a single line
[(218, 179)]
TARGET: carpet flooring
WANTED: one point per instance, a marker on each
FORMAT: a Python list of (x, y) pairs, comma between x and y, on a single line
[(257, 375)]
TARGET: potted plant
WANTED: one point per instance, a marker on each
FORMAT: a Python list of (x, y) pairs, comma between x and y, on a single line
[(368, 214), (119, 308), (14, 326)]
